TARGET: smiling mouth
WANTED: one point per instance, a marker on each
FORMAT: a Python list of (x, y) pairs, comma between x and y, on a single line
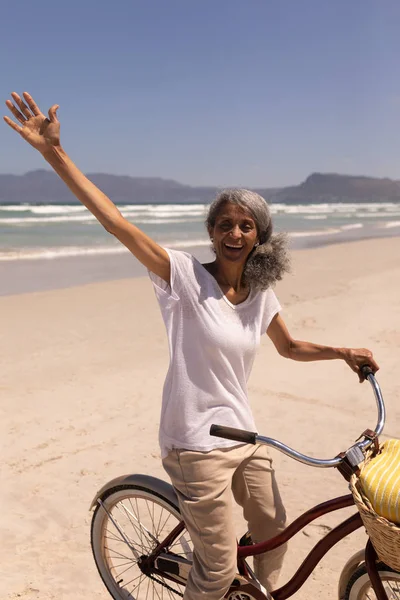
[(233, 247)]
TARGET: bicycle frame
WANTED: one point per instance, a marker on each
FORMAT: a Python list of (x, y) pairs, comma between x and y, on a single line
[(310, 562)]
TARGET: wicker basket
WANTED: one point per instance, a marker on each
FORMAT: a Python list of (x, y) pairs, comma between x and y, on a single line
[(384, 535)]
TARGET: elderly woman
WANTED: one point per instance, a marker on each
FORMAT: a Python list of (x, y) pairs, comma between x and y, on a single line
[(214, 315)]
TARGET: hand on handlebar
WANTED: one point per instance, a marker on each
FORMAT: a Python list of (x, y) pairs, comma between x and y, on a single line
[(357, 358), (39, 131)]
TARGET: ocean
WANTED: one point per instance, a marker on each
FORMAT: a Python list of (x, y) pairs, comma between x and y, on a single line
[(51, 232), (47, 247)]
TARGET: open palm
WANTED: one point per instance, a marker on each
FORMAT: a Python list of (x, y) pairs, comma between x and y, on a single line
[(38, 130)]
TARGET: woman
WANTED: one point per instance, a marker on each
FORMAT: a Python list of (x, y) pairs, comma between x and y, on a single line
[(214, 315)]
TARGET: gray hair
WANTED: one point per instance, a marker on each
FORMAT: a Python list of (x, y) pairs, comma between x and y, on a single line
[(268, 261)]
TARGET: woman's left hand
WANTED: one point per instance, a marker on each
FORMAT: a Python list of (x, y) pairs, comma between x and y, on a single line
[(358, 357)]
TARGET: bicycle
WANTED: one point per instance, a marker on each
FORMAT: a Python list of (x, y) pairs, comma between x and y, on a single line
[(142, 549)]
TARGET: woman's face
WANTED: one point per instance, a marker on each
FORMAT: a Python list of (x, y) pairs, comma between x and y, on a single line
[(234, 234)]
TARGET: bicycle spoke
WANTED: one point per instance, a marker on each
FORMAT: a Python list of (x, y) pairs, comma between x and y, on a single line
[(151, 513), (138, 518), (135, 527), (137, 586), (139, 524), (131, 564), (148, 585), (165, 522), (132, 580), (157, 592), (158, 525), (121, 555), (118, 575)]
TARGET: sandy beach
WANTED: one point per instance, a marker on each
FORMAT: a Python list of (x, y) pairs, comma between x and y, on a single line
[(82, 370)]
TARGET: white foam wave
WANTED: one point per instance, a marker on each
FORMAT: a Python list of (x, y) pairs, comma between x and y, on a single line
[(377, 215), (47, 209), (163, 215), (314, 233), (75, 251), (41, 220), (62, 252), (15, 208), (391, 224), (316, 217), (351, 226), (187, 243), (161, 211), (141, 221), (334, 207)]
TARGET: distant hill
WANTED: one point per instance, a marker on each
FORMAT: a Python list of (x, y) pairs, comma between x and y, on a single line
[(44, 187), (331, 187)]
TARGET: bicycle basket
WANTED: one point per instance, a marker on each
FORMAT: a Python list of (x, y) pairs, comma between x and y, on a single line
[(379, 477)]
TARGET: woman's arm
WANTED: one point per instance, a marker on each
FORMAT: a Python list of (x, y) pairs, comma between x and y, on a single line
[(44, 135), (307, 351)]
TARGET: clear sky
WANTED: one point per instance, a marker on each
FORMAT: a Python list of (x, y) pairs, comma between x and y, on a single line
[(209, 92)]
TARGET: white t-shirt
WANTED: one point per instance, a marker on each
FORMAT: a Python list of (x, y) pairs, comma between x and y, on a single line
[(212, 344)]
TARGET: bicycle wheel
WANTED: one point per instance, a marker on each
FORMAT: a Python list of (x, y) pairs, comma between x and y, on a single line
[(129, 525), (360, 587)]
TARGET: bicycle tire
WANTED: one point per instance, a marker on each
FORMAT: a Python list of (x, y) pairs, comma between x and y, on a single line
[(359, 586), (145, 518)]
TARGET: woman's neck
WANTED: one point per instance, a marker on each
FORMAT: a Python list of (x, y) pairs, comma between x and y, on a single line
[(227, 275)]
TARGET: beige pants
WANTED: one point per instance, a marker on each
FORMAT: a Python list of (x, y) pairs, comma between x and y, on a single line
[(204, 482)]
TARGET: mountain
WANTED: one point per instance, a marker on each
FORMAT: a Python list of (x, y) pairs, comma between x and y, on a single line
[(44, 187), (331, 187)]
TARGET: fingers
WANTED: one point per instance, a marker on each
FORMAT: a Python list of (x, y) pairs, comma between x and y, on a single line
[(53, 113), (32, 104), (23, 112), (15, 112), (21, 105), (356, 358), (13, 125), (374, 366)]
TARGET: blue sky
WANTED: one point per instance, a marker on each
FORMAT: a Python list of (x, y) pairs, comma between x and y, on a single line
[(211, 92)]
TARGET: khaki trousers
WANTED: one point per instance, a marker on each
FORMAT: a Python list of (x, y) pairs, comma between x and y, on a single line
[(204, 482)]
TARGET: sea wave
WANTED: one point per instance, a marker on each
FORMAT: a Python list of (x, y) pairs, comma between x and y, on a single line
[(28, 216), (44, 220), (90, 219), (321, 232), (334, 207), (391, 224), (75, 251), (352, 226)]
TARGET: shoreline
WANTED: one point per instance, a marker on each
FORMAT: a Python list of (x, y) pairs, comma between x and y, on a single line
[(38, 275)]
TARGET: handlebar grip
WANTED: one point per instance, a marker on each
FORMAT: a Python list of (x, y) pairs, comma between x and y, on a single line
[(230, 433), (366, 370)]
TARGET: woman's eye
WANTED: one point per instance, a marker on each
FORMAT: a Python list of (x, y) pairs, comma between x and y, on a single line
[(225, 226)]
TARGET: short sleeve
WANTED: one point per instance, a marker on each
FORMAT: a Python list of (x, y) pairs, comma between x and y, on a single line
[(271, 308), (181, 270)]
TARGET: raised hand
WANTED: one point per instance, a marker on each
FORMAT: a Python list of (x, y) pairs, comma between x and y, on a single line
[(41, 132)]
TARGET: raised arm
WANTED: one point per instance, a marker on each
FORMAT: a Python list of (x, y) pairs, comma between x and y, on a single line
[(308, 351), (44, 135)]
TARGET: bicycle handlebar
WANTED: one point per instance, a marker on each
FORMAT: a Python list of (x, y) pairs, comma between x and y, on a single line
[(250, 437)]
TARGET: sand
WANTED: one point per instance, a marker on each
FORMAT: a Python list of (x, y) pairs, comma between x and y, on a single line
[(81, 377)]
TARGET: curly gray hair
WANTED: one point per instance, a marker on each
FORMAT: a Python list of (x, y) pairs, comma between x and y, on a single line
[(268, 261)]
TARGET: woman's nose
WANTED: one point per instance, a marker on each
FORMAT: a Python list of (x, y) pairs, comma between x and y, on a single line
[(236, 233)]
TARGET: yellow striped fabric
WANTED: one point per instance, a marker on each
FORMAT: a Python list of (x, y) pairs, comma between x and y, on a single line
[(380, 481)]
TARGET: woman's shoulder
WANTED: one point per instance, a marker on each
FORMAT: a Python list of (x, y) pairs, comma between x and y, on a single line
[(186, 266)]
